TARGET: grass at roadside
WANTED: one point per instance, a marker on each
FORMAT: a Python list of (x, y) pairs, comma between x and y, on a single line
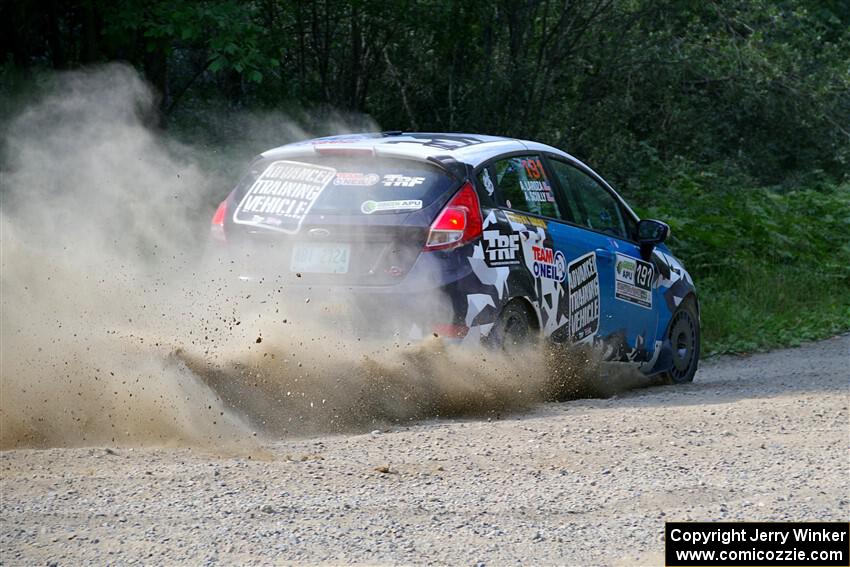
[(763, 307)]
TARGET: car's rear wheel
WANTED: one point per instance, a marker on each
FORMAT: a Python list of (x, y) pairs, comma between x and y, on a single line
[(514, 330), (684, 336)]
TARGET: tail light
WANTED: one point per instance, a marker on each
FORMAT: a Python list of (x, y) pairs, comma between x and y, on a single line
[(458, 223), (217, 225)]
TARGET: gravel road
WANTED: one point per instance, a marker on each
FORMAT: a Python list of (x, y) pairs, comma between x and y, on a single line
[(763, 437)]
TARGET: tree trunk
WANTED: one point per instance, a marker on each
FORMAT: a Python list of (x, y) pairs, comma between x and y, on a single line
[(90, 32)]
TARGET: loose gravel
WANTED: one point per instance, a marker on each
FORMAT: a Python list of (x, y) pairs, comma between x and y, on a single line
[(763, 437)]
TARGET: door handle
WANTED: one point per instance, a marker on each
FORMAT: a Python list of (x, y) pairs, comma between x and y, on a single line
[(604, 254)]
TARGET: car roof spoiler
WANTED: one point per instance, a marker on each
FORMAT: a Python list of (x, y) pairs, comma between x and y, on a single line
[(458, 170)]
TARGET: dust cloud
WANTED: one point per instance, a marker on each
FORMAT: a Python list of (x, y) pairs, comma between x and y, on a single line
[(99, 223), (118, 328)]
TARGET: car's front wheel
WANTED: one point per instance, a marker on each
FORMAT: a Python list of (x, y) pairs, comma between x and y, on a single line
[(684, 336)]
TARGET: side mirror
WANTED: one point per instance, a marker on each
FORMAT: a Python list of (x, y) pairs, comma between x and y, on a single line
[(651, 233)]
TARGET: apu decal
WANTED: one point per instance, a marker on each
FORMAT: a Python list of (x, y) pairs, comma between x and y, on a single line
[(369, 207), (500, 249), (634, 281), (283, 195), (584, 297), (397, 180), (549, 264)]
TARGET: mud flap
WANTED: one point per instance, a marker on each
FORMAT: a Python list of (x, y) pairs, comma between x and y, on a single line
[(664, 361)]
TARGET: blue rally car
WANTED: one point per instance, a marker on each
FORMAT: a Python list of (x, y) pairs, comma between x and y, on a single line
[(479, 239)]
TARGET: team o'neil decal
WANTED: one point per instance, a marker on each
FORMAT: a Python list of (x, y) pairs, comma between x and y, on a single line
[(356, 179), (584, 297), (548, 263), (634, 281), (500, 249), (283, 195)]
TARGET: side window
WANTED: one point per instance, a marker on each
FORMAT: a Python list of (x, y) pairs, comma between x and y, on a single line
[(590, 203), (521, 184)]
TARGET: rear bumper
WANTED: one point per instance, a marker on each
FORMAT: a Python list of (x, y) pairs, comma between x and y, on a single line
[(432, 295), (430, 270)]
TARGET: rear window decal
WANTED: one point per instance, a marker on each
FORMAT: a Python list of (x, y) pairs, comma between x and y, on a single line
[(369, 207), (283, 195), (356, 179), (398, 180), (584, 297), (634, 281)]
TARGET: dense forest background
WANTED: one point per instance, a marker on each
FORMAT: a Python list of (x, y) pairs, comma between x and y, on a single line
[(730, 119)]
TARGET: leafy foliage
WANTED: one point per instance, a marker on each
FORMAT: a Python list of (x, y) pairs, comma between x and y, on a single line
[(761, 83), (772, 267)]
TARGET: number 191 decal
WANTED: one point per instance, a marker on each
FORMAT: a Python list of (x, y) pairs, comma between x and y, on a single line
[(634, 281)]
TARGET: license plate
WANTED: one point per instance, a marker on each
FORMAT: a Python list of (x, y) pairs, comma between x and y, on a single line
[(324, 258)]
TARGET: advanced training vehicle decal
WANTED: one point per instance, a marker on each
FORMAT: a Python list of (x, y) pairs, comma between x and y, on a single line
[(283, 195), (584, 297)]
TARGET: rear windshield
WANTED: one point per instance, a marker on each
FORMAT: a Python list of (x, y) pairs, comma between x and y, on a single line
[(279, 191)]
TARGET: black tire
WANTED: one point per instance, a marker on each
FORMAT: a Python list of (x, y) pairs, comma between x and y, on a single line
[(684, 336), (514, 330)]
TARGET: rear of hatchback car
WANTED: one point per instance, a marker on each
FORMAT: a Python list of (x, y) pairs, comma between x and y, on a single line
[(380, 238)]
